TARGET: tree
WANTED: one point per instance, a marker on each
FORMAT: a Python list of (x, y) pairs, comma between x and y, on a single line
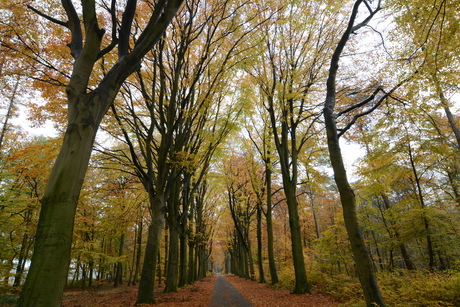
[(428, 31), (361, 255), (22, 187), (262, 141), (404, 172), (287, 71), (86, 108), (242, 205)]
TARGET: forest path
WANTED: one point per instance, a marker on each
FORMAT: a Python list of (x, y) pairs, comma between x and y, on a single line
[(225, 295)]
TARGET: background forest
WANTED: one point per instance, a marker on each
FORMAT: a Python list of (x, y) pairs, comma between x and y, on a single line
[(215, 146)]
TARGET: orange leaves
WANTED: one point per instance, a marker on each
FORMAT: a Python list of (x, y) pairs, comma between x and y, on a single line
[(34, 161)]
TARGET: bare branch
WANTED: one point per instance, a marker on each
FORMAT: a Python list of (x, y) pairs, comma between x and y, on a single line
[(125, 29), (362, 103), (372, 12), (54, 20), (379, 102), (76, 45)]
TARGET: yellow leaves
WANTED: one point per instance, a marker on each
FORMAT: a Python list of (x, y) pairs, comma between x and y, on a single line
[(34, 161), (184, 159)]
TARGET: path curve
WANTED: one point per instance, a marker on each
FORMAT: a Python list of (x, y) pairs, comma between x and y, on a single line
[(225, 295)]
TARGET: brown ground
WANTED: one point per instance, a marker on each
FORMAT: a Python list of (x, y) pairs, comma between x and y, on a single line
[(196, 295)]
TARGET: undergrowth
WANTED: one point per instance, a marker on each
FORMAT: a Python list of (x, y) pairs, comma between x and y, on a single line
[(400, 288)]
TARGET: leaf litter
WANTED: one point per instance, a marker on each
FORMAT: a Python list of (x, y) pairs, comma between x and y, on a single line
[(197, 294)]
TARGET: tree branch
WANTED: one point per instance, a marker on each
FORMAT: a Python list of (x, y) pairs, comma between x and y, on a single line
[(369, 17), (76, 45), (362, 103), (379, 102), (125, 29), (54, 20)]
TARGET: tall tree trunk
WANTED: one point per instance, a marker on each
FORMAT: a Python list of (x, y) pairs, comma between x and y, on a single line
[(347, 196), (183, 244), (286, 146), (288, 153), (184, 232), (9, 113), (166, 240), (147, 281), (301, 283), (252, 272), (270, 248), (21, 259), (200, 242), (260, 257), (172, 269), (139, 252), (133, 259), (445, 105), (119, 271), (91, 272), (315, 214), (418, 187), (51, 257), (47, 275), (191, 248)]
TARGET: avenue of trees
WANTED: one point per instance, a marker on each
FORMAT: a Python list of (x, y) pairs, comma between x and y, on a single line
[(195, 136)]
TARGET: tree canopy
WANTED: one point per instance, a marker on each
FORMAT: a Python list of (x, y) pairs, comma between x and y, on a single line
[(193, 137)]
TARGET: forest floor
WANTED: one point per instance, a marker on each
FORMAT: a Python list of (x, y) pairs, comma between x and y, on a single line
[(196, 295)]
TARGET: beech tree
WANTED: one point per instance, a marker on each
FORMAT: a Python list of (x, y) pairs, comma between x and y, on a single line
[(242, 205), (288, 71), (174, 116), (24, 179), (405, 173), (361, 255), (88, 100)]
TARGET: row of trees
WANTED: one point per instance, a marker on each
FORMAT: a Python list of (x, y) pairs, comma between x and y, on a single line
[(175, 85)]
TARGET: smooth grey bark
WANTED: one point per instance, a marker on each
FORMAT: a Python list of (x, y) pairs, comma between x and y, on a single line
[(119, 267), (200, 236), (138, 252), (445, 105), (269, 220), (51, 257), (147, 281), (260, 257), (361, 255), (172, 268), (192, 263)]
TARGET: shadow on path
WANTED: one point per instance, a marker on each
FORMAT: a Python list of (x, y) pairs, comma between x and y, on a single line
[(225, 295)]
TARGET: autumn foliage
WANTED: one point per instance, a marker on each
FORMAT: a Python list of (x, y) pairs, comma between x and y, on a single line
[(209, 153)]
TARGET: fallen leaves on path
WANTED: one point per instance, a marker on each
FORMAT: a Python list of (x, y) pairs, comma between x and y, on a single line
[(260, 295), (196, 295)]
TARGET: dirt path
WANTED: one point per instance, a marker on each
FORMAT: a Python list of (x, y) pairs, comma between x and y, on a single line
[(225, 295)]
